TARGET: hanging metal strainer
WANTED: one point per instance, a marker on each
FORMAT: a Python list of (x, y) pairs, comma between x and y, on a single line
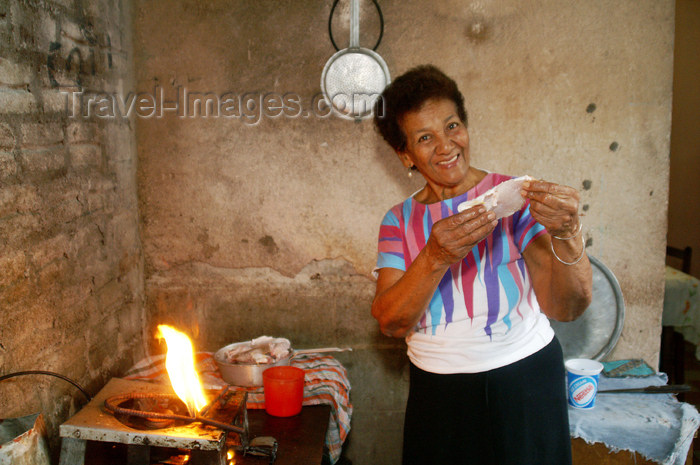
[(354, 77)]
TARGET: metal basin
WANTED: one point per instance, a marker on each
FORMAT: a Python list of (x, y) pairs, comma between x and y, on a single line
[(596, 332)]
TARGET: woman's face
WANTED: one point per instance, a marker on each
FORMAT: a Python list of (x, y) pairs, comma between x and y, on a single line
[(437, 143)]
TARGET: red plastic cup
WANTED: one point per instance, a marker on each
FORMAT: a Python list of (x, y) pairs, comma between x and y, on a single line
[(284, 390)]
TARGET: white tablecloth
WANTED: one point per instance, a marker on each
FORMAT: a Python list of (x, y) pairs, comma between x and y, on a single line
[(657, 426), (682, 305)]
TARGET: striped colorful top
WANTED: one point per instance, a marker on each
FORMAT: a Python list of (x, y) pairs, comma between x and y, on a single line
[(484, 304)]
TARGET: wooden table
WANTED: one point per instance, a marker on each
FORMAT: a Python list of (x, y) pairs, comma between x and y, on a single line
[(680, 320), (598, 454), (300, 437)]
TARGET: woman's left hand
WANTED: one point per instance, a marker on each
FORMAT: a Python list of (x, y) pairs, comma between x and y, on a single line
[(554, 206)]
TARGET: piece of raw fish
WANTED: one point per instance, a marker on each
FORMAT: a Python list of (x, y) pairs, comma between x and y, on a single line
[(262, 350), (503, 199)]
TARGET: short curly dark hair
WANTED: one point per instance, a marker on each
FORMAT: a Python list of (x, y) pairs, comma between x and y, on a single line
[(409, 92)]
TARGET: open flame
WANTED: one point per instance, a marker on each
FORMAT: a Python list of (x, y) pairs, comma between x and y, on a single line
[(179, 362)]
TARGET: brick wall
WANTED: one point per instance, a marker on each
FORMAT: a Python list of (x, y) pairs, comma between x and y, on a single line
[(71, 298)]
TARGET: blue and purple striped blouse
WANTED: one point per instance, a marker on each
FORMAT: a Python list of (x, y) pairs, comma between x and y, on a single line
[(485, 298)]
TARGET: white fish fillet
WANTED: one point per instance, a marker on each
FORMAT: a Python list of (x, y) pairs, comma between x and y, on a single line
[(261, 350), (503, 199)]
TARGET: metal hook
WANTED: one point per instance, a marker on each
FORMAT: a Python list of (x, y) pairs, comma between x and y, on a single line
[(381, 25)]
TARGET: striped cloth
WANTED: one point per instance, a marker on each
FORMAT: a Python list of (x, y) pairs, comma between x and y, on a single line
[(325, 382)]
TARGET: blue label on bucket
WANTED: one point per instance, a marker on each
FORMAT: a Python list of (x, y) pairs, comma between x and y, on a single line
[(582, 391)]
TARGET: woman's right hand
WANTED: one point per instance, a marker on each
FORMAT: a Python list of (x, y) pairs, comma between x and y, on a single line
[(453, 237)]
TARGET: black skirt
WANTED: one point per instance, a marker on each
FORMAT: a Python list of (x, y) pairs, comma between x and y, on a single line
[(513, 415)]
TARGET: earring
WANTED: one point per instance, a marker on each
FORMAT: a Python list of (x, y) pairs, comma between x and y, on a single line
[(410, 171)]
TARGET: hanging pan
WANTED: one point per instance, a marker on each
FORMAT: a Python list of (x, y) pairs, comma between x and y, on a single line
[(354, 77)]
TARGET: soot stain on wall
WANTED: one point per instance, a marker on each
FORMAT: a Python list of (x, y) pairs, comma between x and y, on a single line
[(268, 242), (477, 30), (208, 250)]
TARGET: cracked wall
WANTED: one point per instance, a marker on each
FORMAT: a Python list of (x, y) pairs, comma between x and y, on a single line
[(262, 218), (244, 207)]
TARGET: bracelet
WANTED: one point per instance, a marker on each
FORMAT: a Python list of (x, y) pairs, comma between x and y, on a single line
[(580, 226), (583, 252)]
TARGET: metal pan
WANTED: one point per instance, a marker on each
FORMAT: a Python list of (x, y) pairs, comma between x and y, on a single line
[(250, 374), (595, 334)]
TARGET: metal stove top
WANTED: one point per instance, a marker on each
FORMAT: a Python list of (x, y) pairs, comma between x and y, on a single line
[(95, 423)]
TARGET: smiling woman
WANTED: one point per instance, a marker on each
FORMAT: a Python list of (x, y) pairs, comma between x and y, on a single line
[(471, 291), (437, 144)]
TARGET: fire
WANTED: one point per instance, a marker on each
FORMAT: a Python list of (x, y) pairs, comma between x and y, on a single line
[(179, 362)]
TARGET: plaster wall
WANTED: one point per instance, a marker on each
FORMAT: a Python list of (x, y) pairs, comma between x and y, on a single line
[(71, 270), (260, 224)]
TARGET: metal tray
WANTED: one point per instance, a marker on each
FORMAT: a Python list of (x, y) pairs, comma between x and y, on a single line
[(595, 333)]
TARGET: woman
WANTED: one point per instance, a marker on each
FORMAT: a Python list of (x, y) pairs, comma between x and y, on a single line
[(471, 293)]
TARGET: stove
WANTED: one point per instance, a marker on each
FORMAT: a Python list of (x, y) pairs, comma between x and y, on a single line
[(122, 413)]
